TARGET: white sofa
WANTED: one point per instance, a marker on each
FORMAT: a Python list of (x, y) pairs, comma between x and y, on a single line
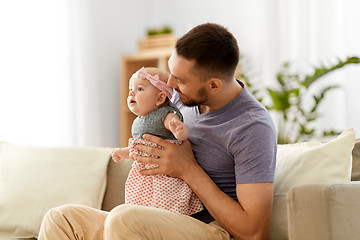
[(313, 199)]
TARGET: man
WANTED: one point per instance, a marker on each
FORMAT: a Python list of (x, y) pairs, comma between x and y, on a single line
[(229, 164)]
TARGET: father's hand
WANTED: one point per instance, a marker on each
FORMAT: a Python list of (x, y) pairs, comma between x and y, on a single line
[(174, 160)]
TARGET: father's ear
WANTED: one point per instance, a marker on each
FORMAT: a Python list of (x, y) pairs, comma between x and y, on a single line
[(215, 84), (161, 99)]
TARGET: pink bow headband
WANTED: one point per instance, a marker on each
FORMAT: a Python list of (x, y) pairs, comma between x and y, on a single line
[(154, 80)]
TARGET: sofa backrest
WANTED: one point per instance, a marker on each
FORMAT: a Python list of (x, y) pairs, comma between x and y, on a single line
[(115, 189), (355, 173)]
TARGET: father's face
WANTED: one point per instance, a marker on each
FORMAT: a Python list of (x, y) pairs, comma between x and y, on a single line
[(191, 89)]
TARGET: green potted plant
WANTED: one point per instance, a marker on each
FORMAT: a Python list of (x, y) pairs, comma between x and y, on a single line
[(159, 31), (295, 107)]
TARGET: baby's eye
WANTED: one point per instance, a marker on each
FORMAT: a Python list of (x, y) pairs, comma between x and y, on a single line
[(140, 89)]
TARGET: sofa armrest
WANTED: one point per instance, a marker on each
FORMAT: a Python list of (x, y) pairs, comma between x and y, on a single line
[(325, 211)]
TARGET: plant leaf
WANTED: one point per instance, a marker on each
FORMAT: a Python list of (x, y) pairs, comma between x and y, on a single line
[(321, 71)]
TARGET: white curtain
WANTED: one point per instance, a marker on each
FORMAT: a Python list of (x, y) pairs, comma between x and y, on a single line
[(309, 33), (35, 88), (59, 73)]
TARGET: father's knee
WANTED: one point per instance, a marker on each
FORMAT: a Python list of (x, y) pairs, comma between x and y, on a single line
[(56, 214), (126, 217), (122, 214)]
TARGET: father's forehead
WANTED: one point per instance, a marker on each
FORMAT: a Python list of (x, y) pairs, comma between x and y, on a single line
[(172, 58), (178, 64)]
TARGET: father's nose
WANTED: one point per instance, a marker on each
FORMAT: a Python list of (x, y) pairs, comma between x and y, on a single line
[(171, 81)]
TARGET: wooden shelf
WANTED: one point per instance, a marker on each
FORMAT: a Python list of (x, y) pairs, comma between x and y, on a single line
[(129, 64), (157, 41)]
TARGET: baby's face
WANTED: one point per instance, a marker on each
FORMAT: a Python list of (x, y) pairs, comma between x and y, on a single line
[(142, 96)]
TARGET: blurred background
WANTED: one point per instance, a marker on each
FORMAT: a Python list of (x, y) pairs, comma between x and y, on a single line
[(59, 59)]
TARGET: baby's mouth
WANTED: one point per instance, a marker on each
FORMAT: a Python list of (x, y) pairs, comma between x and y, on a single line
[(132, 101)]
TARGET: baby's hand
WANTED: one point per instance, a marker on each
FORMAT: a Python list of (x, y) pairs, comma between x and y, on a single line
[(179, 129), (115, 155), (119, 153), (175, 126)]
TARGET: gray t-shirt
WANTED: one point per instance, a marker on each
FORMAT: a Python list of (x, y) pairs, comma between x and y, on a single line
[(153, 123), (234, 144)]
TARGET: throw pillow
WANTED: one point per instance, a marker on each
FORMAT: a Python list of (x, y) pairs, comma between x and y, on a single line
[(307, 163), (35, 179)]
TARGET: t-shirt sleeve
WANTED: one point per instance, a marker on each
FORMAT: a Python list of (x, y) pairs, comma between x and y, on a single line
[(255, 154)]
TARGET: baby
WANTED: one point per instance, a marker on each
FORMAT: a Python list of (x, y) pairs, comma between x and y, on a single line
[(149, 99)]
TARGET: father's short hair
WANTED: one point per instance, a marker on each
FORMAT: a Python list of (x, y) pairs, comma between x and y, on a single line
[(214, 49)]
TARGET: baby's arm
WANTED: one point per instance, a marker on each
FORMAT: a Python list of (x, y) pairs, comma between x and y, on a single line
[(176, 126), (120, 154)]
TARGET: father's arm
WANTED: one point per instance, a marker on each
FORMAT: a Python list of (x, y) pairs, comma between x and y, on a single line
[(247, 219)]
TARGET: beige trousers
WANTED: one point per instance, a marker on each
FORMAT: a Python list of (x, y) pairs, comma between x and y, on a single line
[(124, 222)]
